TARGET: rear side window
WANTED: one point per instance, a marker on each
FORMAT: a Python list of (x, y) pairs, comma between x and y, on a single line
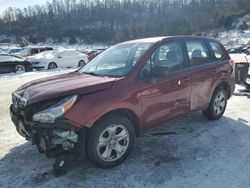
[(197, 52), (216, 49)]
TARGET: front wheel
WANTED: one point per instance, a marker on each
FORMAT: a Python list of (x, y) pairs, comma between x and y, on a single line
[(110, 142), (217, 105)]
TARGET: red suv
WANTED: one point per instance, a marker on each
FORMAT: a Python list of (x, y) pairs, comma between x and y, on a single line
[(99, 110)]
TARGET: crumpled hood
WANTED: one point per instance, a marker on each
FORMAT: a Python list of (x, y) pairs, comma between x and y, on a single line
[(63, 85)]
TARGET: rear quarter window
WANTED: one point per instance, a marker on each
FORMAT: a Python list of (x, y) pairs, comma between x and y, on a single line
[(217, 50)]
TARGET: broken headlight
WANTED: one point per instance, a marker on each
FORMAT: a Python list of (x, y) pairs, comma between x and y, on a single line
[(55, 111)]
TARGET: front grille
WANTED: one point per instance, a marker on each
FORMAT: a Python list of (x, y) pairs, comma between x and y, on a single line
[(18, 101)]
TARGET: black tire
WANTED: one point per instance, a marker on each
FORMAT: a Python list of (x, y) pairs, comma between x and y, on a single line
[(216, 111), (52, 65), (81, 63), (94, 134)]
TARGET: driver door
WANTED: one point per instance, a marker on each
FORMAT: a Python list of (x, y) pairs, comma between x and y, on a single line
[(166, 93)]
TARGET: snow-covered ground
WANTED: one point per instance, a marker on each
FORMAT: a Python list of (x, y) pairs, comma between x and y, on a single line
[(187, 152), (235, 37)]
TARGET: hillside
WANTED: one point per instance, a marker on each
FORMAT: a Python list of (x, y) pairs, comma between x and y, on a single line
[(111, 21), (236, 36)]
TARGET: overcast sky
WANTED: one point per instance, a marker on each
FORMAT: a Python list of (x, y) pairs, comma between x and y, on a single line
[(4, 4)]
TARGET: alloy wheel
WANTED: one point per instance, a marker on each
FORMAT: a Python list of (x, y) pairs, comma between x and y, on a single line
[(113, 142), (52, 66), (81, 63), (20, 68), (219, 103)]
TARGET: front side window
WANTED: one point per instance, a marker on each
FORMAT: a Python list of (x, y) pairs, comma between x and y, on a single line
[(167, 58), (216, 49), (197, 52), (116, 61)]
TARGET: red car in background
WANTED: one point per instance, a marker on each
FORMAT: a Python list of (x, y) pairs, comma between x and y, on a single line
[(93, 53)]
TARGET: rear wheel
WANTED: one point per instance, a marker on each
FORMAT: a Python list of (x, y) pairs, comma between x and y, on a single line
[(81, 63), (110, 141), (217, 105), (52, 66), (19, 68)]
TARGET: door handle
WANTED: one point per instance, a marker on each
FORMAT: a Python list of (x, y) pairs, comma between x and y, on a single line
[(183, 80)]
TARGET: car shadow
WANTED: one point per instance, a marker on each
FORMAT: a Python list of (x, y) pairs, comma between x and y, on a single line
[(189, 149)]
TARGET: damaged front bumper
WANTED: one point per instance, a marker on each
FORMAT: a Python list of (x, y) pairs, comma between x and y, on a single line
[(54, 139)]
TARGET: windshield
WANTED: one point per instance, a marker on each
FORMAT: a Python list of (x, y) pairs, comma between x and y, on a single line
[(117, 60)]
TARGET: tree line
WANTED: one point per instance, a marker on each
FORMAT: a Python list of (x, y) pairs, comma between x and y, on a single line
[(118, 20)]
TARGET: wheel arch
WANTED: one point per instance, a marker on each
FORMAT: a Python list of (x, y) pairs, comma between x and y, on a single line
[(123, 112), (52, 62), (81, 60), (225, 85)]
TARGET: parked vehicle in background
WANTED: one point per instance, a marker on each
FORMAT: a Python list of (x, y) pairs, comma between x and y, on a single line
[(10, 63), (58, 58), (2, 52), (14, 50), (241, 49), (93, 53), (28, 51), (247, 52), (241, 69), (99, 110)]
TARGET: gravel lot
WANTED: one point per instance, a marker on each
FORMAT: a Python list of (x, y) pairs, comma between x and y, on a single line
[(188, 152)]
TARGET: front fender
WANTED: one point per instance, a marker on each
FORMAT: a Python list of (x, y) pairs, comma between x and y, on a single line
[(92, 107)]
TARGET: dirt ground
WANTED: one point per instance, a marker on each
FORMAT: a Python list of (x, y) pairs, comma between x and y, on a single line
[(188, 152)]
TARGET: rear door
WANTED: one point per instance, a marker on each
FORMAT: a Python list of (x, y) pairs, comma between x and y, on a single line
[(64, 59), (69, 59), (205, 71), (166, 95), (76, 57), (60, 59)]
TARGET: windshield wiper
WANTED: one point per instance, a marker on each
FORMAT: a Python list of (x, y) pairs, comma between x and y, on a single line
[(93, 74)]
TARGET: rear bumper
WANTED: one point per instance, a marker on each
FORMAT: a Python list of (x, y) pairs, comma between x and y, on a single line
[(52, 139)]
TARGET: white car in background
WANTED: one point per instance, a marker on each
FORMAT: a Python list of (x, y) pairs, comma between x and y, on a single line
[(29, 51), (14, 50), (58, 59)]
